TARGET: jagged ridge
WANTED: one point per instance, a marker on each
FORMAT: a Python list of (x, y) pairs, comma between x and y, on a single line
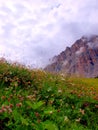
[(79, 59)]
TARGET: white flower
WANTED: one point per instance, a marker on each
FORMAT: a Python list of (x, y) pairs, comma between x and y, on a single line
[(59, 91), (66, 119)]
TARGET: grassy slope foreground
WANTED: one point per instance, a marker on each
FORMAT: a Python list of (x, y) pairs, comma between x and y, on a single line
[(36, 100)]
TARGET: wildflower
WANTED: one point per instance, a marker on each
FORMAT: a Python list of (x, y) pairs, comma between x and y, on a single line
[(51, 112), (86, 104), (19, 96), (21, 99), (29, 97), (78, 120), (96, 106), (19, 104), (32, 97), (82, 111), (9, 99), (11, 105), (16, 84), (1, 111), (59, 91), (6, 79), (73, 107), (10, 110), (51, 101), (66, 119), (7, 107), (11, 96), (37, 114), (4, 109), (3, 97), (49, 89)]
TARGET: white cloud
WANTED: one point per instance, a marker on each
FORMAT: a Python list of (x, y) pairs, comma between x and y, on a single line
[(34, 31), (93, 44), (80, 51)]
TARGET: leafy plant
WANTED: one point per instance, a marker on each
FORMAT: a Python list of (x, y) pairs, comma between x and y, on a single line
[(38, 100)]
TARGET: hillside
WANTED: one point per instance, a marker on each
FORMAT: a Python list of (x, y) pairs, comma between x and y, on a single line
[(36, 100), (80, 59)]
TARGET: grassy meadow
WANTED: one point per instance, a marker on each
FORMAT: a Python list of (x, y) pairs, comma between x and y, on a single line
[(38, 100)]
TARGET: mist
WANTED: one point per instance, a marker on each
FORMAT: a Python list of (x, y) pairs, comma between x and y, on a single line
[(32, 32)]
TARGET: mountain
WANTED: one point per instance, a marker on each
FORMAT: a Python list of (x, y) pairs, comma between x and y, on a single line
[(79, 59)]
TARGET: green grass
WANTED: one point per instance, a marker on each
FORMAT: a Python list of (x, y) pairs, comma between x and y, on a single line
[(37, 100)]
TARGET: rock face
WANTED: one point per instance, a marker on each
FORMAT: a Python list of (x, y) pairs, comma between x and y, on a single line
[(79, 59)]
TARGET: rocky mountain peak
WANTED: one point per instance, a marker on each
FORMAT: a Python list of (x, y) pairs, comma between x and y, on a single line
[(79, 59)]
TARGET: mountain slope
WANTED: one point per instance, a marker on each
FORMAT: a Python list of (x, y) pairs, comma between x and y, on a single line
[(36, 100), (79, 59)]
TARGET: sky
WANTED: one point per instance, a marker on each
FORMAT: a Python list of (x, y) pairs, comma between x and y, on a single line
[(34, 31)]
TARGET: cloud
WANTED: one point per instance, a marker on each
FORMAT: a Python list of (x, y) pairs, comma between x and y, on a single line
[(32, 32)]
